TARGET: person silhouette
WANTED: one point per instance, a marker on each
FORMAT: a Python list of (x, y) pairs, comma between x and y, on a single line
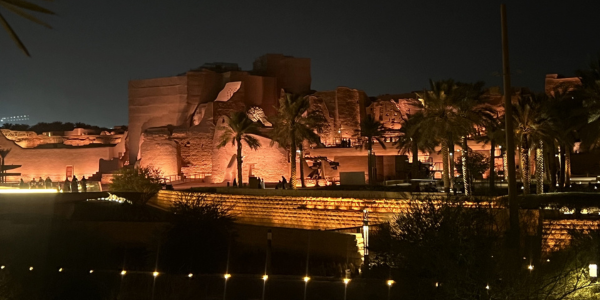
[(83, 185)]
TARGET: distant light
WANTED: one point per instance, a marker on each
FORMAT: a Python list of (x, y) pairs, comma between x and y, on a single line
[(437, 284), (91, 271), (530, 267), (27, 191), (30, 268), (265, 277), (155, 274), (227, 276), (60, 269), (190, 275), (593, 270), (2, 267), (390, 282), (487, 287), (548, 260), (500, 146), (306, 278), (346, 280), (123, 272)]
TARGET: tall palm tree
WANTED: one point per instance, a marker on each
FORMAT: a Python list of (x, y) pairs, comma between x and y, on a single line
[(494, 136), (445, 115), (21, 8), (568, 118), (293, 124), (3, 153), (239, 127), (473, 106), (410, 141), (370, 131), (532, 128)]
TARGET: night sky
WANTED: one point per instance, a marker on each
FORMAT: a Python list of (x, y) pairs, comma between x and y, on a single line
[(79, 70)]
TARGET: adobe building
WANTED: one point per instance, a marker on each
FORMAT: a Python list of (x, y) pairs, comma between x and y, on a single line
[(60, 155)]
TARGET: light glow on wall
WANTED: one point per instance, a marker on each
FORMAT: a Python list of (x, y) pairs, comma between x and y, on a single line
[(27, 191)]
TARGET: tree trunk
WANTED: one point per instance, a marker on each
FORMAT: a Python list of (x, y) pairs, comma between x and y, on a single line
[(415, 164), (561, 157), (552, 167), (539, 168), (445, 166), (370, 161), (525, 175), (492, 165), (301, 165), (452, 166), (465, 169), (238, 141), (567, 166), (293, 180)]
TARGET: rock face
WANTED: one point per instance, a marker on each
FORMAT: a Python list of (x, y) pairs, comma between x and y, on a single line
[(160, 152)]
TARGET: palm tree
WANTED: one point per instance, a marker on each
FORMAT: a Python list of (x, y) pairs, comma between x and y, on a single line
[(410, 141), (445, 115), (370, 131), (293, 124), (239, 127), (474, 107), (532, 129), (3, 154), (568, 119), (494, 136), (20, 7)]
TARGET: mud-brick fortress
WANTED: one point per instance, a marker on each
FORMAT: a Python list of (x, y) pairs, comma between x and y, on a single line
[(175, 122)]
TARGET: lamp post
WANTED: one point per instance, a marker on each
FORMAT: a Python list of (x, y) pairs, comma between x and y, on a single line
[(366, 237), (346, 281)]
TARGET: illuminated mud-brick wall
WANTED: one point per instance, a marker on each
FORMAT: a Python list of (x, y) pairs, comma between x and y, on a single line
[(160, 152), (556, 233), (292, 73), (266, 208), (53, 162), (343, 109), (196, 147), (266, 162)]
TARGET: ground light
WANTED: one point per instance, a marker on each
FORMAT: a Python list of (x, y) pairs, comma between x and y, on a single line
[(593, 272), (346, 281), (306, 280), (123, 272), (264, 278), (226, 276), (155, 274), (390, 283), (530, 267)]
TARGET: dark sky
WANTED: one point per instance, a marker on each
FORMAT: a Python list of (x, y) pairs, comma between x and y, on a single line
[(79, 69)]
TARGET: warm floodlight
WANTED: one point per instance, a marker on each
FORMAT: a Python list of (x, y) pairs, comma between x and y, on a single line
[(265, 277), (123, 272), (346, 280), (227, 276), (593, 271), (91, 271), (487, 287), (30, 268), (27, 191), (60, 269), (390, 282), (155, 274), (190, 275), (306, 278), (2, 267), (530, 267)]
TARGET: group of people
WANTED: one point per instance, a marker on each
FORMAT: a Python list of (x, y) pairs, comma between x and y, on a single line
[(283, 184), (261, 183), (33, 184), (73, 185)]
